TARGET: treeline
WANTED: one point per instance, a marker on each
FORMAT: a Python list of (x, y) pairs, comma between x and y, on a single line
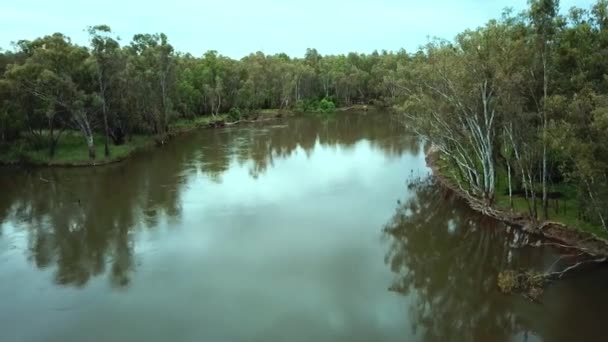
[(521, 104), (50, 85)]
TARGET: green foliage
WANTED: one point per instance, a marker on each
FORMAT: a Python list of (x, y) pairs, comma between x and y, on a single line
[(304, 106), (234, 114), (315, 106), (326, 106)]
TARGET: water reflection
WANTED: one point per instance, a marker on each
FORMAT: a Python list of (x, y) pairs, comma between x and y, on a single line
[(446, 258), (81, 223)]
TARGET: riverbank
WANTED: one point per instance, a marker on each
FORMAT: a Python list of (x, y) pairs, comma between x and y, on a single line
[(71, 150), (560, 234)]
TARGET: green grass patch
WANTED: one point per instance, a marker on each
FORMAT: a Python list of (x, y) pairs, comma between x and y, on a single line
[(71, 150), (564, 211)]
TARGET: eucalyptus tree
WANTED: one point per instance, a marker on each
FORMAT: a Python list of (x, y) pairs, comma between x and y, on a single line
[(105, 51), (454, 106), (151, 66), (213, 81), (580, 143), (54, 74), (543, 15), (10, 120), (189, 87)]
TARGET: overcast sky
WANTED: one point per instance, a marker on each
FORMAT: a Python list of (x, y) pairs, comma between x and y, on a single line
[(238, 27)]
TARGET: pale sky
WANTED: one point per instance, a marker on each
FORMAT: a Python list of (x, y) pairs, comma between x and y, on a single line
[(237, 27)]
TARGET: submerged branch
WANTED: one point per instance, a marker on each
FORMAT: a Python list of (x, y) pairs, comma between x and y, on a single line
[(560, 274), (530, 283)]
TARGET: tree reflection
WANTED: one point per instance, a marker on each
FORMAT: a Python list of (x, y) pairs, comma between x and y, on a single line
[(446, 258), (80, 221), (263, 144)]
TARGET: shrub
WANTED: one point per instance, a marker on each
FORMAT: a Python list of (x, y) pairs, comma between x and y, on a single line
[(234, 114), (326, 106)]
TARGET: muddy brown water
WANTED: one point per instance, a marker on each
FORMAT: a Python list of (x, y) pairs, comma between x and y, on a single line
[(302, 229)]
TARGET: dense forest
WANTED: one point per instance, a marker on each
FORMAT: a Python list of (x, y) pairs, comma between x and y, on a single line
[(518, 108), (51, 84)]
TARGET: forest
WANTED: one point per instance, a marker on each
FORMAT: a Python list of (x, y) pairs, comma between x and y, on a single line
[(517, 108), (518, 111), (111, 93)]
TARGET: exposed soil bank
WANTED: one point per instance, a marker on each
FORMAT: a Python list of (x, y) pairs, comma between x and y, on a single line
[(564, 236)]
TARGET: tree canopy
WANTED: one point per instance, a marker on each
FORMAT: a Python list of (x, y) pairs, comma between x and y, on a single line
[(520, 104)]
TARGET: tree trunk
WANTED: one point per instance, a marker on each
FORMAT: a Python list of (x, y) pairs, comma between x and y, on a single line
[(91, 146), (596, 206), (219, 104), (105, 123), (51, 138), (52, 148), (510, 186), (88, 135), (104, 108), (544, 109)]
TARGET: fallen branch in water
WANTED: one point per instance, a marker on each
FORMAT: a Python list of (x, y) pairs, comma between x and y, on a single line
[(560, 245), (555, 244), (530, 283), (560, 259), (560, 274)]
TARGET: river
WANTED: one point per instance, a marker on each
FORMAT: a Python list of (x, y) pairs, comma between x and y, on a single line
[(299, 229)]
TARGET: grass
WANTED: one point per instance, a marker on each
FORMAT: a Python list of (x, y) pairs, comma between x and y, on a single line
[(568, 201), (568, 206), (71, 150)]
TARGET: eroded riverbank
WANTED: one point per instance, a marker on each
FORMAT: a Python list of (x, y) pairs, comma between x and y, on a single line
[(566, 237)]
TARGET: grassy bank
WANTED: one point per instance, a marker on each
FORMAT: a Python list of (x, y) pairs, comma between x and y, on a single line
[(562, 210), (71, 149)]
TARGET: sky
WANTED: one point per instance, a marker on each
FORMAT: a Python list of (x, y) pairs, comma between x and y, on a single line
[(236, 28)]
